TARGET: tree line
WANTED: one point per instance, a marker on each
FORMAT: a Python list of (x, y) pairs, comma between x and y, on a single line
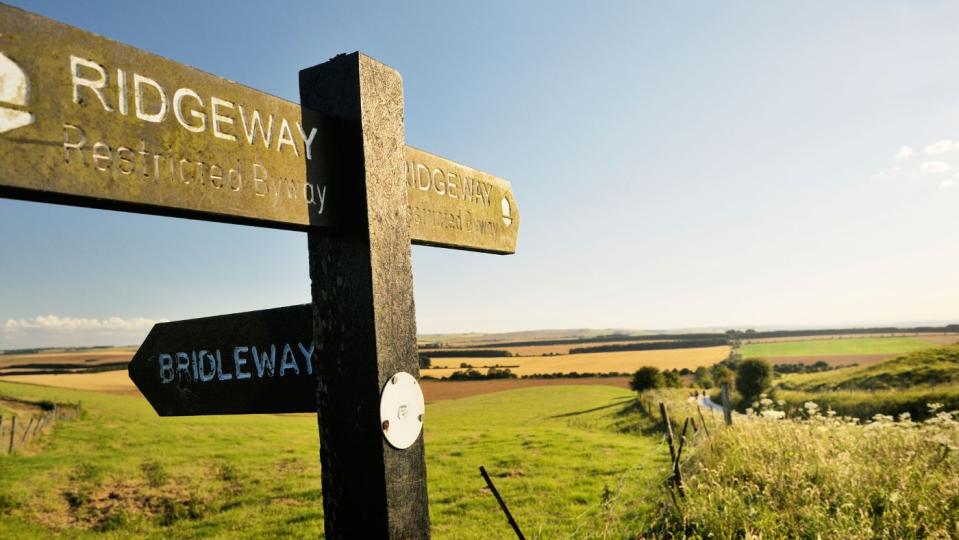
[(656, 345)]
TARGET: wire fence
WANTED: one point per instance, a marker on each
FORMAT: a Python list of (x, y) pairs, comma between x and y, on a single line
[(20, 430)]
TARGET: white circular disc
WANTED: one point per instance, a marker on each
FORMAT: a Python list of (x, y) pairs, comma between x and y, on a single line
[(401, 410)]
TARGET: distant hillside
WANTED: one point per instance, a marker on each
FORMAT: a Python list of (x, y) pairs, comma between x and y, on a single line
[(921, 368)]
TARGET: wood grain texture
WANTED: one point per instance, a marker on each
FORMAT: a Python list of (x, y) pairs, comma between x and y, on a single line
[(364, 317)]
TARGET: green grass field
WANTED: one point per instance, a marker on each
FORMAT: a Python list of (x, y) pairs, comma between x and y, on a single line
[(905, 383), (829, 347), (122, 471)]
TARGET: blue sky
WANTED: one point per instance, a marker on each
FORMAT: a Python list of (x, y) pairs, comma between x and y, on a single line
[(695, 164)]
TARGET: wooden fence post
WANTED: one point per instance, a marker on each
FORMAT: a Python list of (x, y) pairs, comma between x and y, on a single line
[(702, 419), (677, 474), (727, 409), (502, 504), (23, 438), (13, 430), (669, 431)]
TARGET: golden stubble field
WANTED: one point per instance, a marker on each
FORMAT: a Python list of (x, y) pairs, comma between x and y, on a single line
[(619, 362), (540, 350), (111, 382), (68, 359)]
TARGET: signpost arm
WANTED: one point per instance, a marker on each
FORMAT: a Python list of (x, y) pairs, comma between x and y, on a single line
[(363, 313)]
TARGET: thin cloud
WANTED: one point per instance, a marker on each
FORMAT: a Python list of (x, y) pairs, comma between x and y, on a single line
[(935, 167), (904, 152), (53, 324), (946, 184), (941, 147)]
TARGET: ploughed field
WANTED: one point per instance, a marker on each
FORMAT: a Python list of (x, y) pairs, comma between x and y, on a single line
[(119, 469)]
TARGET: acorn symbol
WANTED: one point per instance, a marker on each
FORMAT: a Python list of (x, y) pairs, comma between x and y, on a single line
[(14, 88)]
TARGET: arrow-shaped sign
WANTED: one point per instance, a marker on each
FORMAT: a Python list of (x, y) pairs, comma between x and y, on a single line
[(243, 363), (87, 121)]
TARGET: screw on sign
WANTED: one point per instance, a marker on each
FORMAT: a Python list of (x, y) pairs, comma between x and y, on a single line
[(87, 121)]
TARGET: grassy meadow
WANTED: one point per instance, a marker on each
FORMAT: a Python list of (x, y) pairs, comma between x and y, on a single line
[(821, 477), (835, 346), (572, 461), (904, 384)]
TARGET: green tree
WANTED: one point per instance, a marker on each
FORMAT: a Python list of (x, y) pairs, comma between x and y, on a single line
[(723, 375), (646, 378), (754, 376), (424, 361), (703, 377)]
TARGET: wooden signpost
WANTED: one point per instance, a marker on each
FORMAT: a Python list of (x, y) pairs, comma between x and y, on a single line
[(91, 122), (245, 363), (87, 121)]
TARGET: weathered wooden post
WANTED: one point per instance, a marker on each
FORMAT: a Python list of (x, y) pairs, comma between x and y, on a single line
[(13, 431), (702, 419), (338, 170), (727, 409), (23, 438), (669, 431), (677, 473), (363, 314), (502, 504)]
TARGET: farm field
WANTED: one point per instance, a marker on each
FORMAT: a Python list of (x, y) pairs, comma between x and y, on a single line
[(619, 362), (831, 359), (906, 383), (118, 382), (949, 339), (537, 350), (490, 340), (834, 347), (66, 360), (939, 338), (114, 382), (122, 470)]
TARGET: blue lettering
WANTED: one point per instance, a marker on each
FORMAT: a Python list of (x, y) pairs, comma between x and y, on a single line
[(166, 368), (264, 362), (239, 361), (288, 361)]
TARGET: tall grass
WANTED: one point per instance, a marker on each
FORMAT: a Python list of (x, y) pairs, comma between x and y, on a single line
[(903, 384), (822, 477), (865, 404)]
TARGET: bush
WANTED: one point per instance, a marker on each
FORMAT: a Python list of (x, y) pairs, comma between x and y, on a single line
[(703, 377), (723, 375), (647, 378), (672, 380), (754, 377)]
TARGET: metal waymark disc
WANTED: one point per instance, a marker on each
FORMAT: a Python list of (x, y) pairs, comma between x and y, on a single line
[(401, 410)]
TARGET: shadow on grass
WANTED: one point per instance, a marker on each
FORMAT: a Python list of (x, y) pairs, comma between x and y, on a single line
[(594, 409), (634, 418)]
